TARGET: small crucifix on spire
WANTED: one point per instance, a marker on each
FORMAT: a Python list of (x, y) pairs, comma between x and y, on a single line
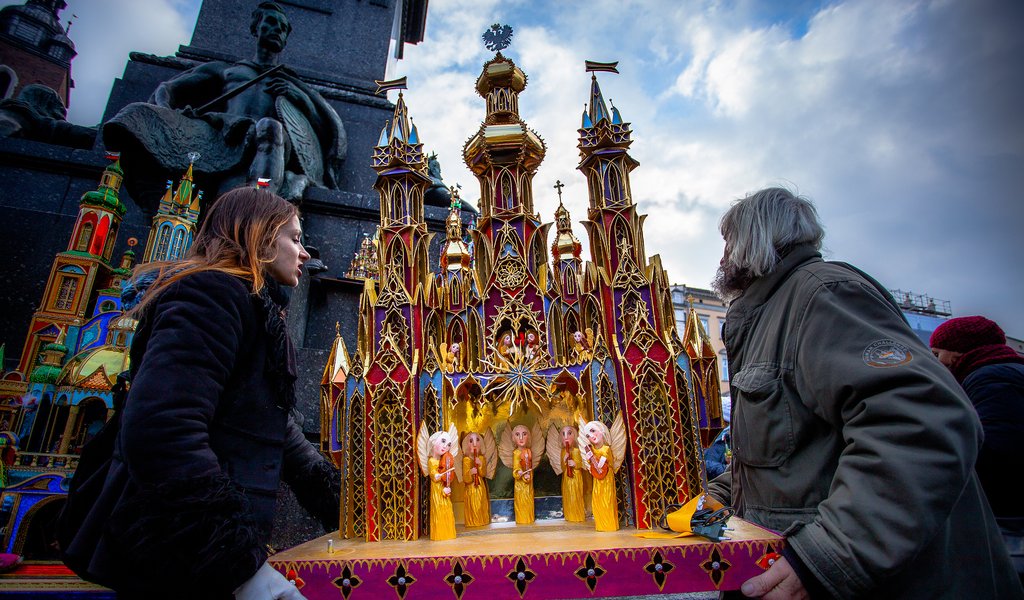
[(558, 186)]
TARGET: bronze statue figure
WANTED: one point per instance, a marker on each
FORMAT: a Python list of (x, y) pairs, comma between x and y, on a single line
[(38, 114), (252, 119)]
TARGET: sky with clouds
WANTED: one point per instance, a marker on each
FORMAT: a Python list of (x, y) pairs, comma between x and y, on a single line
[(902, 120)]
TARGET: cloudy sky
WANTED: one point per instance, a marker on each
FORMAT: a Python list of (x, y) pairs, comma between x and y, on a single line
[(902, 120)]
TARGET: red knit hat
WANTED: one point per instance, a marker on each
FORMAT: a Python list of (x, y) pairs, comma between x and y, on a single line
[(964, 334)]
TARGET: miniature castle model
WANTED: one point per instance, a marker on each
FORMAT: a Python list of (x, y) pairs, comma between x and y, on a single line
[(498, 336), (77, 343)]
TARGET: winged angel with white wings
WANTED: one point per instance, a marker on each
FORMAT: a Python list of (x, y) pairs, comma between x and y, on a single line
[(603, 450), (521, 450), (437, 454)]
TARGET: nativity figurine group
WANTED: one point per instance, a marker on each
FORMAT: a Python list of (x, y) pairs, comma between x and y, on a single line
[(589, 449)]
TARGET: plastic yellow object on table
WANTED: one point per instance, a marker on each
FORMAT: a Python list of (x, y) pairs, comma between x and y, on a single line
[(681, 521)]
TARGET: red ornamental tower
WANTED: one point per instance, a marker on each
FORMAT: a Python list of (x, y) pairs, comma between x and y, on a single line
[(85, 265), (637, 323), (391, 327)]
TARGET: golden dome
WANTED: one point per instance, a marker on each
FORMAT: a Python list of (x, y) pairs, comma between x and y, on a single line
[(90, 369)]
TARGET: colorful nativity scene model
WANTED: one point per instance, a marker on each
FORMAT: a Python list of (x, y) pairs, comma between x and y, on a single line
[(508, 421), (568, 369)]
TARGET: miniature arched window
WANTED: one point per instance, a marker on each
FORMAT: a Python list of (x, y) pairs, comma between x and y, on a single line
[(594, 182), (593, 315), (100, 239), (111, 237), (614, 193), (572, 325), (66, 293), (84, 237), (177, 243), (455, 292), (475, 336), (569, 277), (163, 242), (8, 81), (457, 333), (506, 194), (623, 240)]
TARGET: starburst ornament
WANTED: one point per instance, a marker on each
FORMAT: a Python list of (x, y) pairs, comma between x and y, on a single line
[(520, 384)]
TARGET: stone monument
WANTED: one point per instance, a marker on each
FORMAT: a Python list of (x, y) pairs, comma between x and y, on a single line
[(251, 119)]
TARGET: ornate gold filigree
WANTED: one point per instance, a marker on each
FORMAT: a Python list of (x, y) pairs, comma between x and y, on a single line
[(510, 272), (357, 464), (393, 463), (627, 273), (657, 442), (693, 455)]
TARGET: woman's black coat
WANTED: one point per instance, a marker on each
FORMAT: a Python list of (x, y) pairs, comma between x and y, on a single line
[(205, 439)]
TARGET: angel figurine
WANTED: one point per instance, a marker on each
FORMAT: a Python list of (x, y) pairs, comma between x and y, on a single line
[(532, 345), (566, 460), (521, 450), (579, 346), (478, 465), (603, 449), (437, 453), (450, 358), (507, 349)]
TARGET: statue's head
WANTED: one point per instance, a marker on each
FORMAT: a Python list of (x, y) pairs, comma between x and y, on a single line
[(577, 335), (596, 432), (472, 443), (530, 338), (270, 26), (44, 101), (521, 435), (456, 348), (441, 443), (568, 435)]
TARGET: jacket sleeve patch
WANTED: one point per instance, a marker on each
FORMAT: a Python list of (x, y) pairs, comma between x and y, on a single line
[(886, 353)]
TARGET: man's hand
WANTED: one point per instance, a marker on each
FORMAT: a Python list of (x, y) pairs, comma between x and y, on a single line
[(779, 582), (278, 86)]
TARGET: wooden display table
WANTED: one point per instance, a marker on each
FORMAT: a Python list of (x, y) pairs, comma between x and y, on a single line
[(552, 559)]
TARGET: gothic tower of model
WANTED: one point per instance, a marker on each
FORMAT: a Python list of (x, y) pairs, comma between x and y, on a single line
[(510, 335)]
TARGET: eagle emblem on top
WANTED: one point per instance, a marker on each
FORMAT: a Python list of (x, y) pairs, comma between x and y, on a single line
[(498, 37)]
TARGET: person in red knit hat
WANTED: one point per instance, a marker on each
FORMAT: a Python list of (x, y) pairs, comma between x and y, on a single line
[(992, 374)]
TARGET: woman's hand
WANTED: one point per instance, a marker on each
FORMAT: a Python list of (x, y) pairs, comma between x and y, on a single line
[(268, 584)]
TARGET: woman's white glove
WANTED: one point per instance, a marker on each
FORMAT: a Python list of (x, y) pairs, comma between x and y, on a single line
[(268, 584)]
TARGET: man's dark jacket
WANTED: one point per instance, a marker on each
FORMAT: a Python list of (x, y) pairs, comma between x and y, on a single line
[(852, 440), (205, 438)]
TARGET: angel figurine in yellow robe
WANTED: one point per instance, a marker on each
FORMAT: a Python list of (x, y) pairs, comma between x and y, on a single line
[(436, 453), (479, 462), (566, 460), (603, 450), (521, 450)]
